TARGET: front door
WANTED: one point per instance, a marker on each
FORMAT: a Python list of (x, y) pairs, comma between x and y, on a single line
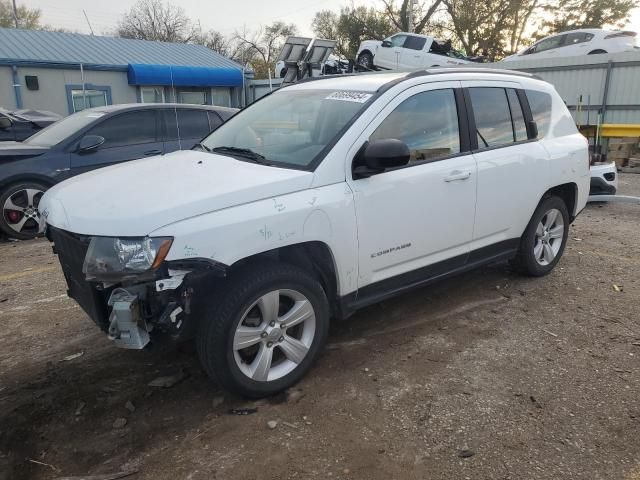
[(390, 57), (416, 220), (128, 136)]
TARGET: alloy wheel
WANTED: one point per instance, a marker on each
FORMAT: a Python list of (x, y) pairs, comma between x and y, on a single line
[(549, 237), (20, 211), (274, 335)]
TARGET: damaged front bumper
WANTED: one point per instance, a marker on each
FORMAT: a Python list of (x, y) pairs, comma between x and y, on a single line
[(134, 311)]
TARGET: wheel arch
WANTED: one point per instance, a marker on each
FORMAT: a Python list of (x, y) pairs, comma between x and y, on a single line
[(27, 177), (315, 257), (568, 192)]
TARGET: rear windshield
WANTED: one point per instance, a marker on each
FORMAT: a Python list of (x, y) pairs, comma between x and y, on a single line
[(290, 128), (63, 129)]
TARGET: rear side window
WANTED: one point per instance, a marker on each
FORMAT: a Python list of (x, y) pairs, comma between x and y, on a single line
[(427, 122), (540, 104), (130, 128), (415, 43), (578, 37), (519, 125), (492, 116), (192, 124)]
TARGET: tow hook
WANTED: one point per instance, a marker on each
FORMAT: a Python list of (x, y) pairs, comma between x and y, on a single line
[(127, 328)]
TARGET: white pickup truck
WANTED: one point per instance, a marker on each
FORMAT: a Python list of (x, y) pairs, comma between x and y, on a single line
[(317, 200), (407, 51)]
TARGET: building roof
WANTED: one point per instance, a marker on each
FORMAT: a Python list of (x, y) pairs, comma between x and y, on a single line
[(18, 46)]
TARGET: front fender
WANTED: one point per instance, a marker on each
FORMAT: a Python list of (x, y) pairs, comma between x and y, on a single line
[(325, 214)]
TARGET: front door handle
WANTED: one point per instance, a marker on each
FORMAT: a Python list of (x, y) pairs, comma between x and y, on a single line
[(457, 175), (152, 152)]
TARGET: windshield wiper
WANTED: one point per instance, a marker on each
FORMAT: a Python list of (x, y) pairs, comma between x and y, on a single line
[(244, 153), (202, 146)]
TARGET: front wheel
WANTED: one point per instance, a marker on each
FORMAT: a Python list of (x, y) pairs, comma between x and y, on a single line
[(545, 238), (20, 215), (365, 61), (265, 332)]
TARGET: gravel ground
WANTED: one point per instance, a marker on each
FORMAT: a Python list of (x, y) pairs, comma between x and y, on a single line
[(488, 375)]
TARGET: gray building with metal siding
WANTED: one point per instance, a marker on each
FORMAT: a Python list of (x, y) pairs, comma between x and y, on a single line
[(607, 83), (66, 72)]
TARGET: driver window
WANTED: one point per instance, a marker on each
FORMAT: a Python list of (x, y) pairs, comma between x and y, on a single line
[(427, 122), (398, 40)]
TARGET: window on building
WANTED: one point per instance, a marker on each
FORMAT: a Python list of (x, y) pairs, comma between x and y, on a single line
[(427, 122), (492, 116), (192, 123), (540, 104), (194, 97), (128, 128), (152, 94), (519, 125), (221, 97), (88, 98)]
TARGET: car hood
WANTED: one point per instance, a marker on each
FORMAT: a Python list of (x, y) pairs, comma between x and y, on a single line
[(18, 149), (138, 197)]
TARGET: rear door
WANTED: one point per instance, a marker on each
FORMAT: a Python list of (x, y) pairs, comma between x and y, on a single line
[(127, 136), (185, 127), (512, 168), (413, 52)]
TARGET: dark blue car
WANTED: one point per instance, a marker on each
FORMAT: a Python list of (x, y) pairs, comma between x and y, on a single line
[(92, 139)]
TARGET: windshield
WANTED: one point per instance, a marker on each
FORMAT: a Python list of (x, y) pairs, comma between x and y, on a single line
[(290, 128), (62, 129)]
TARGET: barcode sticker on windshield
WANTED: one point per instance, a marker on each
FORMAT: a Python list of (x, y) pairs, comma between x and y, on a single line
[(358, 97)]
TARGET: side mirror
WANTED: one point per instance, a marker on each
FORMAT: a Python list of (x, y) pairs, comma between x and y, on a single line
[(533, 129), (386, 43), (379, 155), (90, 142), (5, 122)]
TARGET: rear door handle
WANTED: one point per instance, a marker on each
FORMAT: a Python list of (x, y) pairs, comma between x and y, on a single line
[(152, 152), (457, 175)]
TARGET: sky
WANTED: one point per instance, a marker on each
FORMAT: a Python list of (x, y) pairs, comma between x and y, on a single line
[(222, 15)]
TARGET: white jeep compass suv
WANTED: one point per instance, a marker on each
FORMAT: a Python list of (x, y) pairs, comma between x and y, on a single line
[(313, 202)]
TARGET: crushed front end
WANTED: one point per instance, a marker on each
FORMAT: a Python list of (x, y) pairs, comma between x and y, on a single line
[(150, 299)]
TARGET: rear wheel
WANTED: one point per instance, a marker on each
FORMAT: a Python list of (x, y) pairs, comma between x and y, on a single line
[(20, 215), (544, 240), (265, 331)]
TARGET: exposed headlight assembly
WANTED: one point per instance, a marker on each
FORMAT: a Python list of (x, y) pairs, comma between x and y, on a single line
[(111, 258)]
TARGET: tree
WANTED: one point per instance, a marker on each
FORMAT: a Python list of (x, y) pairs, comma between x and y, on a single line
[(216, 41), (27, 17), (423, 14), (350, 27), (573, 14), (155, 20), (261, 48)]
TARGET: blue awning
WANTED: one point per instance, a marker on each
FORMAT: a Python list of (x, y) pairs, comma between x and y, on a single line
[(183, 76)]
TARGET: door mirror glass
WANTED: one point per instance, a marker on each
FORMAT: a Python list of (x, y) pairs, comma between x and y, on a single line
[(379, 155), (90, 142), (5, 122), (386, 43)]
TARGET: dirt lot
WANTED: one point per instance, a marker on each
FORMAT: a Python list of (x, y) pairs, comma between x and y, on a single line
[(486, 376)]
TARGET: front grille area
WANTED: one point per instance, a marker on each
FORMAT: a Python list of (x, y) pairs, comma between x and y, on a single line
[(71, 250)]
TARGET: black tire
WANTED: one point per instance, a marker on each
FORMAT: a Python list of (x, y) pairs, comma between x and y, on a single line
[(365, 61), (596, 52), (30, 228), (214, 339), (526, 260)]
